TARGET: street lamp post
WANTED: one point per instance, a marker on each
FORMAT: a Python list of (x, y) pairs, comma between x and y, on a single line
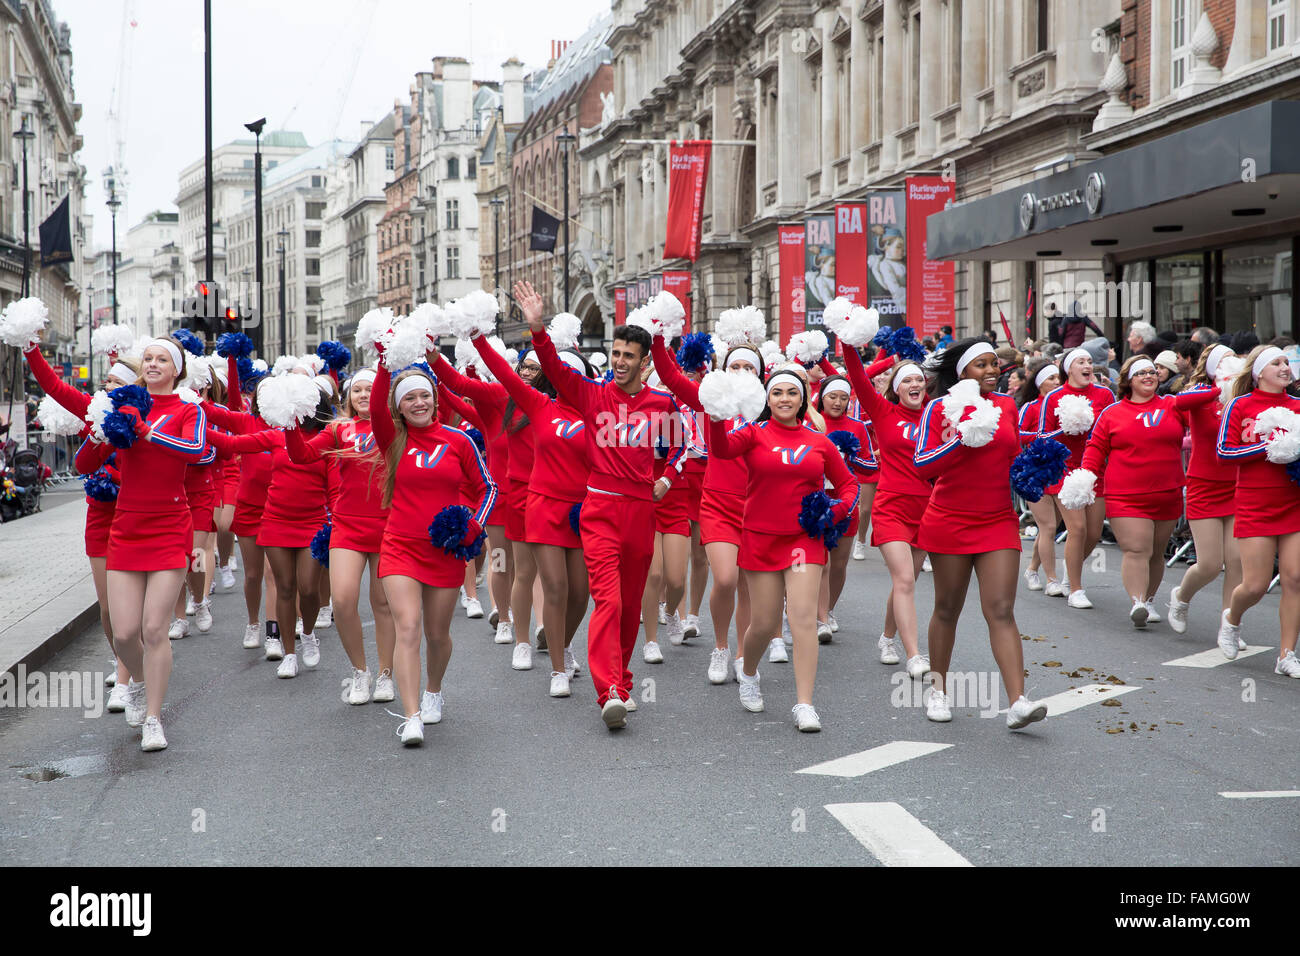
[(24, 134), (281, 245), (113, 205), (255, 128), (496, 205), (566, 140)]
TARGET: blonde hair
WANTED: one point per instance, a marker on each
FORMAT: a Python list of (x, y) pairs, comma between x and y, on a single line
[(393, 457), (133, 364), (1244, 382), (180, 374)]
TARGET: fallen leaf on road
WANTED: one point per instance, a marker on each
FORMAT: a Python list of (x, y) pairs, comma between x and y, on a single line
[(1051, 663), (1110, 703)]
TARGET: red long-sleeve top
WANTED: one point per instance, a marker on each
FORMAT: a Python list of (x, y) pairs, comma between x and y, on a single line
[(1259, 481), (864, 465), (784, 464), (490, 399), (973, 481), (622, 429), (1138, 446), (1027, 423), (897, 428), (299, 493), (438, 461), (1204, 423), (1099, 396), (360, 468)]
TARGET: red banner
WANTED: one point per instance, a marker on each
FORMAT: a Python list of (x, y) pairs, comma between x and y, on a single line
[(679, 284), (790, 239), (929, 284), (620, 305), (851, 252), (688, 171)]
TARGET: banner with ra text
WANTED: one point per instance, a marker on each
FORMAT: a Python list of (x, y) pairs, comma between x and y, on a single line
[(688, 171)]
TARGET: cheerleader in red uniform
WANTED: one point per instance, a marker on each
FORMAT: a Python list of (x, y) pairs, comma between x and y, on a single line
[(1261, 437), (1137, 444), (1042, 379), (969, 524), (357, 521), (1211, 493), (227, 484), (425, 466), (1084, 399), (722, 503), (460, 413), (149, 542), (556, 487), (201, 493), (901, 497), (786, 461)]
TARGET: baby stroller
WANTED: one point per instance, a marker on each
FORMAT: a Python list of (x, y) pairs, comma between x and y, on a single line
[(21, 494)]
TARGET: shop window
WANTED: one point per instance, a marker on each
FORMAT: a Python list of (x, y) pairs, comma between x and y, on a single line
[(1179, 284), (1256, 289)]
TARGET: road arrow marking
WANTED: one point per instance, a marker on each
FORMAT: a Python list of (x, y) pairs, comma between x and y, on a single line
[(894, 836), (877, 758), (1212, 658)]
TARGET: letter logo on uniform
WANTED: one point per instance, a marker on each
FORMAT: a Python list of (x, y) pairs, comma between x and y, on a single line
[(363, 443), (910, 431), (565, 429), (1152, 419), (792, 456), (428, 459)]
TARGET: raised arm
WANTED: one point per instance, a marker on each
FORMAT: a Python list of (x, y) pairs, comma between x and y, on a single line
[(74, 400), (533, 402), (234, 397), (875, 403), (671, 374), (578, 390), (381, 419), (448, 398), (304, 450), (471, 388)]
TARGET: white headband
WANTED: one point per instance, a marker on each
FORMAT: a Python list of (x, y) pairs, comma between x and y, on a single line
[(172, 348), (324, 383), (573, 360), (1269, 354), (123, 372), (1217, 354), (785, 377), (1044, 373), (219, 372), (1141, 365), (972, 353), (365, 375), (1070, 357), (907, 368), (410, 384), (742, 355), (839, 385)]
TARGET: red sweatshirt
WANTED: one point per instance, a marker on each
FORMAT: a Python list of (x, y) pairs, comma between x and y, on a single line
[(864, 464), (1138, 446), (1028, 420), (622, 429), (973, 481), (359, 464), (1049, 427), (490, 399), (1205, 421), (299, 494), (784, 465), (1259, 481), (897, 428)]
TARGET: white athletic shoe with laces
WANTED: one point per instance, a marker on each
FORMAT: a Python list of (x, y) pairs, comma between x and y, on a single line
[(136, 703), (663, 612), (473, 609), (719, 659), (431, 707), (1078, 599), (1228, 635), (571, 666), (738, 667), (614, 711), (859, 550), (692, 628), (1053, 588), (252, 636), (676, 632), (180, 629), (384, 689), (1024, 712), (1288, 666), (751, 698), (937, 706), (888, 649), (835, 625), (325, 616), (203, 616), (356, 689), (190, 606), (926, 566), (559, 684), (288, 667), (1177, 612), (274, 649), (310, 649), (806, 719), (117, 699), (505, 633), (918, 666), (411, 732), (776, 652), (823, 632), (1152, 616), (522, 659), (651, 653), (110, 676), (227, 578), (151, 737), (1138, 614), (1033, 581)]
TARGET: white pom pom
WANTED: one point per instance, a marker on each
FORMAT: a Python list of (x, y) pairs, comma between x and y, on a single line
[(642, 318), (512, 355), (287, 400), (1229, 367), (598, 359), (806, 347), (112, 340), (100, 405), (56, 419), (404, 344), (1279, 427), (22, 321), (372, 325), (751, 394), (1077, 489), (668, 312), (860, 327), (466, 354), (474, 314), (771, 353), (1075, 415), (432, 319), (284, 365), (836, 311), (720, 346), (188, 395), (260, 366), (743, 326), (977, 430), (564, 330), (198, 374), (724, 395), (311, 363)]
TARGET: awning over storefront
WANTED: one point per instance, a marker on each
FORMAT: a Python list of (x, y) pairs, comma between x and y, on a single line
[(1235, 172)]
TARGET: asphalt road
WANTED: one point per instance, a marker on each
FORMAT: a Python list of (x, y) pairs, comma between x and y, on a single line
[(267, 771)]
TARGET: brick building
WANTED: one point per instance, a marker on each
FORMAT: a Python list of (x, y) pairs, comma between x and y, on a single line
[(394, 228)]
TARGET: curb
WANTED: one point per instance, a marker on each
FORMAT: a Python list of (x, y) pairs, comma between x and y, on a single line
[(62, 621)]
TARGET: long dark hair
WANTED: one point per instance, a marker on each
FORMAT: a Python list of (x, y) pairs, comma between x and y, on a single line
[(1029, 391), (821, 390), (945, 374), (766, 413)]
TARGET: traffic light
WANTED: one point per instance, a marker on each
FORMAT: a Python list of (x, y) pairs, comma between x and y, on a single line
[(201, 312)]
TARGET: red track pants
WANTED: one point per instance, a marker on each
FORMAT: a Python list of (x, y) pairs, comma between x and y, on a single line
[(618, 539)]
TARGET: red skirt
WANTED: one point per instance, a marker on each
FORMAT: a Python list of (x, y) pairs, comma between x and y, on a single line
[(517, 498), (274, 532), (202, 504), (896, 517), (695, 488), (1207, 498), (230, 485), (945, 531), (1164, 505), (546, 521), (1279, 515), (247, 519), (776, 552), (99, 520), (720, 516), (672, 511), (150, 540), (362, 533), (418, 558)]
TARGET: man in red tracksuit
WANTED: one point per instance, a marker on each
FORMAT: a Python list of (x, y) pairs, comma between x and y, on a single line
[(625, 420)]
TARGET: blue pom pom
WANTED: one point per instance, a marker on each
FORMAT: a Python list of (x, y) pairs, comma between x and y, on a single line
[(696, 351), (846, 442), (448, 530), (119, 430), (320, 545), (418, 367), (476, 437), (137, 396), (234, 343), (903, 343), (335, 354), (99, 486), (833, 534), (1293, 471), (575, 517), (1041, 464), (815, 514), (609, 375), (247, 371), (189, 341), (881, 338)]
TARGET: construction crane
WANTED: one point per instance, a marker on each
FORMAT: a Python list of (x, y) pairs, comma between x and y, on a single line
[(115, 176)]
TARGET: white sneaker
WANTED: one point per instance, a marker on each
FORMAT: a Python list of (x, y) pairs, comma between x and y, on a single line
[(203, 616), (212, 588), (859, 550), (835, 625), (1152, 616), (1053, 588), (676, 632), (505, 633), (325, 616), (180, 629), (473, 609), (570, 663), (719, 658), (358, 688), (1078, 599), (384, 690), (431, 707), (630, 703), (823, 632), (233, 563), (750, 696), (412, 731), (1228, 635), (1288, 666), (918, 666), (274, 649), (117, 699), (190, 606), (776, 652), (1241, 645), (1033, 581), (136, 703), (888, 649), (463, 599), (297, 630), (252, 636), (1024, 712), (310, 650), (652, 654), (614, 711), (806, 719), (227, 578), (937, 706), (288, 667), (663, 612), (925, 565), (522, 659), (559, 684), (152, 736), (692, 628), (1177, 612), (1138, 615), (539, 637)]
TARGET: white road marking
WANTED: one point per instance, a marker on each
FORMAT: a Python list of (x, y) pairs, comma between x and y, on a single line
[(1059, 704), (1213, 658), (877, 758), (1258, 794), (894, 836)]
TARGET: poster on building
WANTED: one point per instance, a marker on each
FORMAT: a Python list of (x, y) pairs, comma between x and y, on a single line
[(678, 282), (790, 241), (851, 252), (819, 268), (620, 305), (887, 256), (656, 283), (642, 291), (688, 171), (929, 284)]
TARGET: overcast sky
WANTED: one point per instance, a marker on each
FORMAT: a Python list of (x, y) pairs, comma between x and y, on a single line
[(291, 61)]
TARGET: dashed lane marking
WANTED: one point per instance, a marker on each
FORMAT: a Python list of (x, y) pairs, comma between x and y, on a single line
[(877, 758), (894, 836)]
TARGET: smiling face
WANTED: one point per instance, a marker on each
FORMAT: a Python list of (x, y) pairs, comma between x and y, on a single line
[(159, 372), (1276, 375), (881, 382), (359, 396), (983, 369), (418, 407), (911, 391), (530, 368), (1144, 384), (1049, 383), (784, 401), (835, 403), (626, 360), (1081, 371)]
